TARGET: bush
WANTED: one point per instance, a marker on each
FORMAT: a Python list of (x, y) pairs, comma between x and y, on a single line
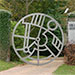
[(19, 31), (69, 54), (5, 33)]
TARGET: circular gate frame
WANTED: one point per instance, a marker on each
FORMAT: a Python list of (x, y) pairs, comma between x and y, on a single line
[(47, 30)]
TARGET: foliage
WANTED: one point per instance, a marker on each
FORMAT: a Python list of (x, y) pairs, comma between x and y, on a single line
[(44, 6), (1, 5), (20, 28), (20, 31), (13, 56), (71, 15), (54, 8), (17, 7), (70, 5), (65, 70), (5, 31)]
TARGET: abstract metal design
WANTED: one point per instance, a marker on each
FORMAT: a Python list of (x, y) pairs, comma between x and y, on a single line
[(40, 24)]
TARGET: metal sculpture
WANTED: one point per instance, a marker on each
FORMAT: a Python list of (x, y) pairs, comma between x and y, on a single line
[(40, 22)]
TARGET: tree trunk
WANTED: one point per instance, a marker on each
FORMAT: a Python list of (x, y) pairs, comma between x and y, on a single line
[(26, 7), (8, 56)]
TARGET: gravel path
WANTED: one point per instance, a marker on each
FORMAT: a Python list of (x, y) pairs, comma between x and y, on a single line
[(34, 70)]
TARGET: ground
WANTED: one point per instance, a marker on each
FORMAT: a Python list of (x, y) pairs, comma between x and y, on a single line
[(34, 70), (65, 70), (7, 65), (57, 67)]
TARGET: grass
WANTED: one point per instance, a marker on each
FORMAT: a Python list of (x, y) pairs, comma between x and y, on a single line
[(7, 65), (39, 57), (35, 58), (65, 70)]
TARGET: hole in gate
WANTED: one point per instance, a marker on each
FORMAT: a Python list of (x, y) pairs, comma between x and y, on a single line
[(57, 43), (37, 40), (54, 40), (18, 42), (60, 46), (34, 55), (20, 30), (58, 33), (45, 53), (50, 45), (34, 31), (47, 19), (52, 24), (42, 37), (26, 49), (22, 54), (28, 19)]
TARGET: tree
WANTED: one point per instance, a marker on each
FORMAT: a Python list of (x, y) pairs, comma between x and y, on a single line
[(19, 8), (71, 5)]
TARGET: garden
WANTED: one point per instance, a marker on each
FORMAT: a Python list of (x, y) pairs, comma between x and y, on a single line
[(11, 11)]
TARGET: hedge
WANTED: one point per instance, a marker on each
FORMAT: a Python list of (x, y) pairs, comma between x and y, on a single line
[(5, 32)]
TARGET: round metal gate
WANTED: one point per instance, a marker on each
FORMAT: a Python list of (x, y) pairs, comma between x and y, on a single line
[(40, 35)]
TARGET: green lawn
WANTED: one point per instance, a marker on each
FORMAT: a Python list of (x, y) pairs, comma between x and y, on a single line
[(6, 65), (65, 70)]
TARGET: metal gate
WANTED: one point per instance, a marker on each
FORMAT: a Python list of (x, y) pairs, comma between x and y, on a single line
[(40, 35)]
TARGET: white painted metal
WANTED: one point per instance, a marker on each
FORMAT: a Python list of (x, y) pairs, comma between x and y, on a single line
[(71, 32), (38, 20)]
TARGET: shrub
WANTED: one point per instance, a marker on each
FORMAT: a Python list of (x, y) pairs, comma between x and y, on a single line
[(20, 30), (5, 33)]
